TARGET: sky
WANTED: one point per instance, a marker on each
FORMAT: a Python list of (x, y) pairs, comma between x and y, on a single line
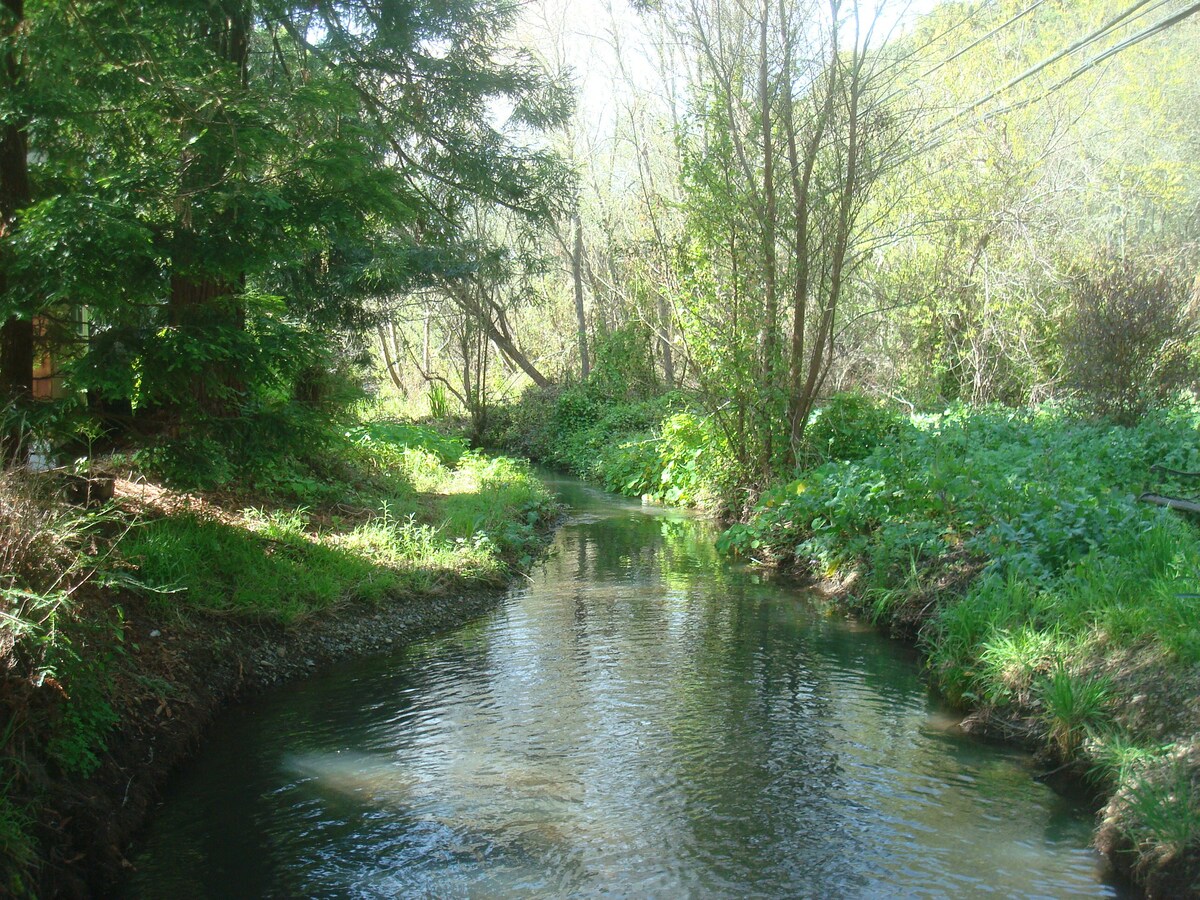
[(583, 37)]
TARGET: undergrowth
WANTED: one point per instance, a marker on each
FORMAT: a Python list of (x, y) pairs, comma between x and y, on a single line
[(654, 447), (47, 559), (434, 516)]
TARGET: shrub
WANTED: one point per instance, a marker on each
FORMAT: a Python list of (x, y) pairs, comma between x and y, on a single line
[(624, 365), (850, 426), (1128, 344)]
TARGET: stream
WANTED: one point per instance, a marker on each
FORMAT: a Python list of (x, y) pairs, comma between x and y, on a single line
[(638, 718)]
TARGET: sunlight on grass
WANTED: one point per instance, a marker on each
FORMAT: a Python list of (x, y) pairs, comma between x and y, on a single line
[(450, 525)]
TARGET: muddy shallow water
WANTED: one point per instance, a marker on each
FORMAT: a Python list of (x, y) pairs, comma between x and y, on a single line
[(636, 719)]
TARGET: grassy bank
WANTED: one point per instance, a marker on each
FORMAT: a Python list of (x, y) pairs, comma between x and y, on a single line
[(117, 617), (1043, 593)]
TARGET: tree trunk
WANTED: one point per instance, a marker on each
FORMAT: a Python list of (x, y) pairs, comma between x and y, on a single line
[(426, 338), (462, 296), (199, 303), (770, 322), (821, 354), (16, 334), (389, 360), (580, 316), (664, 341), (799, 402)]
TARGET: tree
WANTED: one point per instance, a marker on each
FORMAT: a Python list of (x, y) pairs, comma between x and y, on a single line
[(16, 324), (794, 129), (259, 177)]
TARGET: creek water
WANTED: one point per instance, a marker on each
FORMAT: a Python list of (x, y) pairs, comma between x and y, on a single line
[(639, 719)]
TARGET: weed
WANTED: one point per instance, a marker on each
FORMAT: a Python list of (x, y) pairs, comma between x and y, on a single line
[(439, 404), (1117, 759), (1164, 809), (1011, 660), (18, 852), (1072, 706), (850, 426)]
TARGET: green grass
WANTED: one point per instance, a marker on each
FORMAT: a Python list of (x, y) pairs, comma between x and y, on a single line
[(1164, 809), (1073, 706), (443, 525)]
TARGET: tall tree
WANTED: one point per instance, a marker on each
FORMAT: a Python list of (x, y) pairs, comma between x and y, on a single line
[(16, 324)]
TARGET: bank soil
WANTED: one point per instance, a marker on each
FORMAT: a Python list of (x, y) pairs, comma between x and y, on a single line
[(174, 680)]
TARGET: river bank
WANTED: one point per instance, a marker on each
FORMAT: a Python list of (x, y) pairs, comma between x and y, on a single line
[(1144, 695), (139, 622), (1047, 601), (1008, 545), (198, 670)]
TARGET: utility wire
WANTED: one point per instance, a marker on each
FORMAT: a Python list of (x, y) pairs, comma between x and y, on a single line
[(1094, 36), (953, 28), (935, 140), (975, 43), (1048, 61), (1148, 32)]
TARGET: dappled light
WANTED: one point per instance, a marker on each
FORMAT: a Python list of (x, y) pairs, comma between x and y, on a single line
[(896, 298)]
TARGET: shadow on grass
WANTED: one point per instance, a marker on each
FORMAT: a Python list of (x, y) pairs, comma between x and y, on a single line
[(279, 573)]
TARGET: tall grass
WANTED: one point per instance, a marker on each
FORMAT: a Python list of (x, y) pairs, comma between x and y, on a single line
[(1072, 707), (1164, 809), (43, 567)]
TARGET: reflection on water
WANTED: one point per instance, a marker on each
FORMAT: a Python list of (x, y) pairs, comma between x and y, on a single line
[(638, 720)]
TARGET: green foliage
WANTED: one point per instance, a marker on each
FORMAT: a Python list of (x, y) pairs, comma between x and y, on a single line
[(681, 466), (1045, 503), (849, 426), (568, 426), (980, 298), (651, 448), (1163, 806), (280, 565), (1073, 706), (229, 262), (45, 560), (623, 367), (17, 850), (382, 439), (439, 404)]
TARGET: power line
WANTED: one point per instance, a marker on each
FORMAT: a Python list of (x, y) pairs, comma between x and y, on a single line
[(953, 28), (975, 43), (1148, 32), (1094, 36), (934, 140)]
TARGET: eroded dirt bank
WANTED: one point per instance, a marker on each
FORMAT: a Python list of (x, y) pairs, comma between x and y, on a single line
[(175, 681), (1149, 696)]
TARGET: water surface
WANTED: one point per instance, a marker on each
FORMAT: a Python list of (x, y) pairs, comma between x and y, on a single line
[(637, 719)]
